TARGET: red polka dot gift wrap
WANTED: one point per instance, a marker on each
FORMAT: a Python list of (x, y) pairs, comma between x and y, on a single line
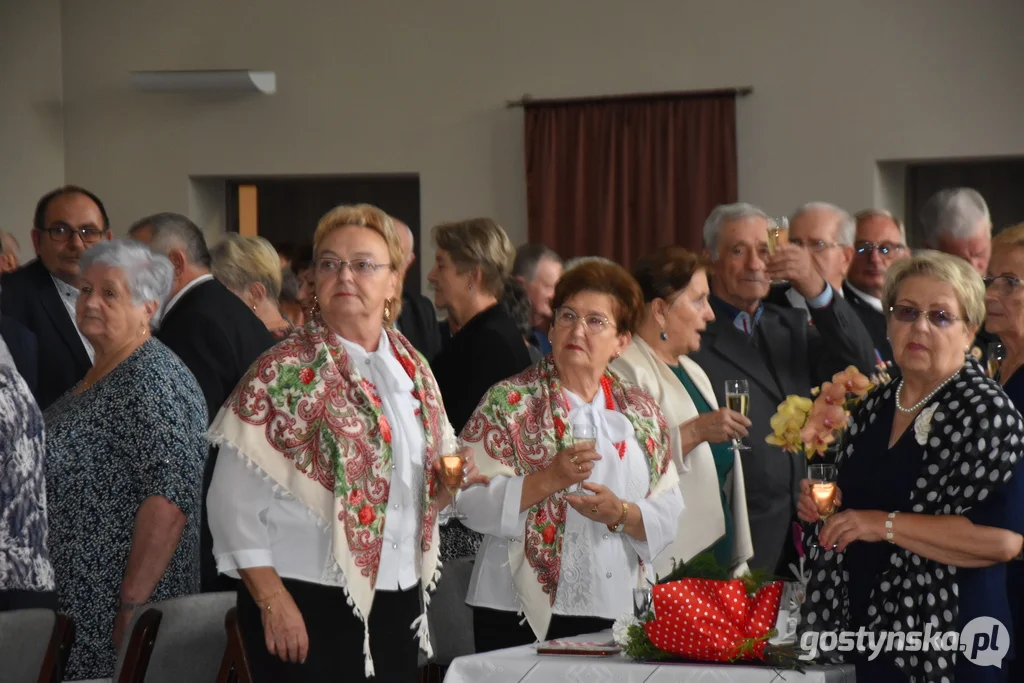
[(713, 621)]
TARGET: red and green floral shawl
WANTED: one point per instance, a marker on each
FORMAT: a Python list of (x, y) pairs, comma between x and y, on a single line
[(307, 418), (518, 428)]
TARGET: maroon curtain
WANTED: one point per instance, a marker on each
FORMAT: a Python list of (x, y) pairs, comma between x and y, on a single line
[(620, 177)]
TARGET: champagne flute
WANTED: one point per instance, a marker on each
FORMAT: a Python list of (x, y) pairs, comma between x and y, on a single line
[(823, 491), (737, 397), (453, 464), (778, 233), (583, 432)]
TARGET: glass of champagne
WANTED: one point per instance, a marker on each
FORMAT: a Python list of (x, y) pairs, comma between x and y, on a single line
[(737, 397), (453, 464), (778, 233), (823, 490), (583, 432)]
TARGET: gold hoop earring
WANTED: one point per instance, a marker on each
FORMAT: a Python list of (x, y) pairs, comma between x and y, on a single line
[(314, 311), (387, 311)]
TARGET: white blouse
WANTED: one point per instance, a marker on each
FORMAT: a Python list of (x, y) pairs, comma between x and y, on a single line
[(599, 568), (255, 523)]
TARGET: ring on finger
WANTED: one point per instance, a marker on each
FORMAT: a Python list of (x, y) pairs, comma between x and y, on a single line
[(572, 459), (579, 468)]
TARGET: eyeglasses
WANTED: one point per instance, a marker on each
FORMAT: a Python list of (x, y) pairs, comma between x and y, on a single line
[(62, 233), (1002, 285), (360, 267), (883, 248), (816, 246), (593, 323), (909, 314)]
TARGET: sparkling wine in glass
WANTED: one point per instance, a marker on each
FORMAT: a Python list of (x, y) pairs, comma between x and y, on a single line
[(453, 465), (778, 233), (737, 397), (823, 490), (583, 432)]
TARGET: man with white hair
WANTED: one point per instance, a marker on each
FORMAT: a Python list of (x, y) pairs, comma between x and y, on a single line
[(956, 221), (826, 232), (880, 241), (777, 352), (418, 319), (538, 267)]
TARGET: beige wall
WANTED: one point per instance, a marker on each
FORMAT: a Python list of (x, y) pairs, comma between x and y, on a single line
[(31, 121), (405, 86)]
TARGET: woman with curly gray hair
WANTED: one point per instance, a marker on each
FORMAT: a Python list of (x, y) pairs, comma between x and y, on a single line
[(124, 460)]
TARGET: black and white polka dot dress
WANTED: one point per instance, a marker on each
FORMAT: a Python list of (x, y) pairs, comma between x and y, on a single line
[(137, 433), (961, 456)]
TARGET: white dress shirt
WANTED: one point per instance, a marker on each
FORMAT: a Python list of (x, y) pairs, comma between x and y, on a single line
[(69, 297), (599, 568), (182, 292), (258, 524)]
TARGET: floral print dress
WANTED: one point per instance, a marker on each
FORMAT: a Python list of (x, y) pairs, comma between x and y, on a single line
[(136, 433)]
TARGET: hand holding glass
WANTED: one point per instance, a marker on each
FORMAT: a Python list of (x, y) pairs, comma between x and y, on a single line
[(823, 489), (737, 398), (583, 433), (778, 233), (453, 465)]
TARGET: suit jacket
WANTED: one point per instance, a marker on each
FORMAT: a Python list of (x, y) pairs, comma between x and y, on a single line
[(702, 522), (874, 322), (784, 356), (218, 338), (29, 296), (486, 350), (23, 347), (418, 323)]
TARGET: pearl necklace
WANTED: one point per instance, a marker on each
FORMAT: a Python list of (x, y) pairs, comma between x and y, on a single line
[(917, 406)]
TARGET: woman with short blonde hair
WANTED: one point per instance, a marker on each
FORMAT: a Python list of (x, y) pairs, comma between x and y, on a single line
[(251, 269), (930, 484), (323, 498)]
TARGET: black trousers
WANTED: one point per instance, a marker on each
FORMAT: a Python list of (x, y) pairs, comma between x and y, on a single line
[(336, 637), (11, 600), (497, 629)]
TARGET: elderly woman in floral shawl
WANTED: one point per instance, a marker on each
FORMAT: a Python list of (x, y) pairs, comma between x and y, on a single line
[(568, 556), (324, 499)]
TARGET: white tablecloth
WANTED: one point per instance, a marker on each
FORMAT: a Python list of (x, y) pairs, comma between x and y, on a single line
[(524, 665)]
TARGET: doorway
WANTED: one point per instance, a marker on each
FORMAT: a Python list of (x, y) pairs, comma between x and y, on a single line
[(286, 210)]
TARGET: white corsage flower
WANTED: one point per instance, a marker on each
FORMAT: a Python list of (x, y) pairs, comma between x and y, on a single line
[(923, 424), (620, 629)]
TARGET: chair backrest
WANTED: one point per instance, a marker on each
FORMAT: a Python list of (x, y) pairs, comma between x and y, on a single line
[(189, 641), (34, 645), (451, 619), (234, 668)]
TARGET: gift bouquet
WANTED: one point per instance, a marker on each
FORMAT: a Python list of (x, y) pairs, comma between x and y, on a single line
[(811, 427), (699, 613)]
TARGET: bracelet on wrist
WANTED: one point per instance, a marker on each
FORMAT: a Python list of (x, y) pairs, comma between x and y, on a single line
[(889, 527), (264, 603), (125, 606)]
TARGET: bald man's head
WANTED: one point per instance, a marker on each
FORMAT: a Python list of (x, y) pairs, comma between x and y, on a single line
[(405, 235)]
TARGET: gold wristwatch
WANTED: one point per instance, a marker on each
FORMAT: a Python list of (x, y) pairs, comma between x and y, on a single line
[(621, 524)]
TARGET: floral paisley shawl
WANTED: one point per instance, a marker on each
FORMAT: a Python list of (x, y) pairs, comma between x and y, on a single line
[(306, 417), (518, 428), (972, 441)]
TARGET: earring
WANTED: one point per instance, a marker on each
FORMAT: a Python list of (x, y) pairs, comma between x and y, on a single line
[(471, 289), (664, 336), (387, 312)]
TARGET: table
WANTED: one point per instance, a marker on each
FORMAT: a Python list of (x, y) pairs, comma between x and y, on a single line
[(524, 665)]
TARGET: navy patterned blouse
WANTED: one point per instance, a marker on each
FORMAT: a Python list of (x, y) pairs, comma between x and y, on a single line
[(136, 433), (24, 561)]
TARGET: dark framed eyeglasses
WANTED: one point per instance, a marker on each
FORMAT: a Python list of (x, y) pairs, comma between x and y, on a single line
[(815, 246), (883, 248), (593, 323), (1003, 285), (62, 233), (909, 314)]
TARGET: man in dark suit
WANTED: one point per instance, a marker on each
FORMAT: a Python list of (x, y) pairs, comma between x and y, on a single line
[(210, 329), (42, 294), (418, 319), (880, 241), (776, 351)]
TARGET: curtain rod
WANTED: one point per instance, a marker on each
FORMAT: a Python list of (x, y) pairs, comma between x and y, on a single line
[(527, 101)]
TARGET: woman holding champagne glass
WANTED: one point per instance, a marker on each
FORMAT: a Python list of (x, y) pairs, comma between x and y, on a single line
[(929, 484), (324, 499), (569, 560)]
